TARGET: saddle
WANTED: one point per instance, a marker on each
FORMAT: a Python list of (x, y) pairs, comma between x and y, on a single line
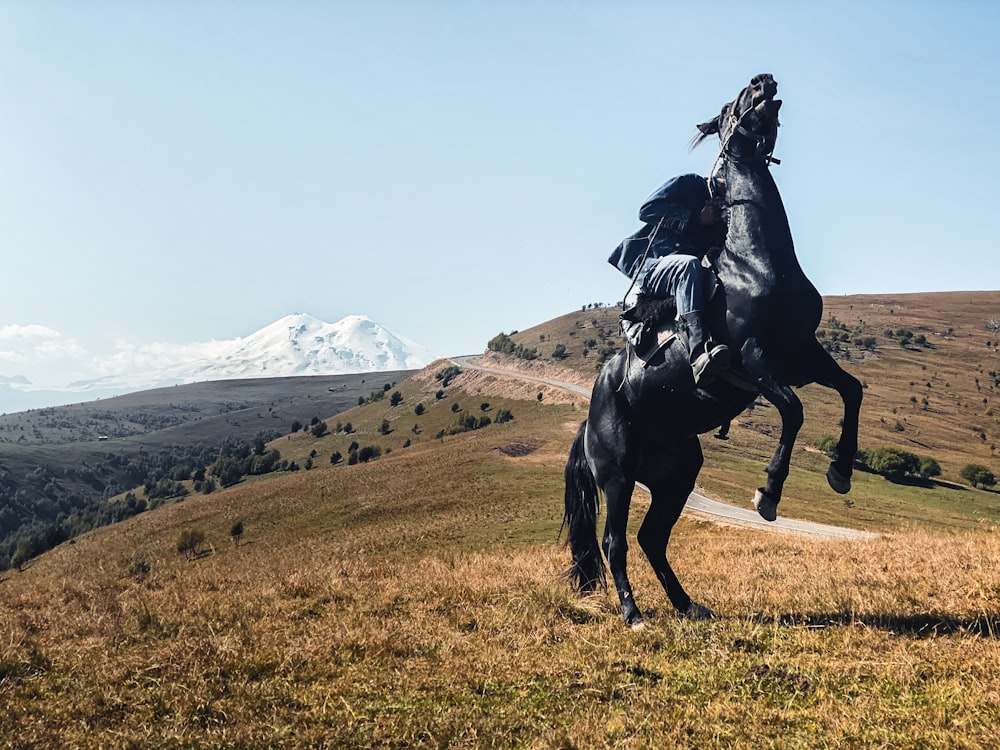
[(650, 327), (650, 324)]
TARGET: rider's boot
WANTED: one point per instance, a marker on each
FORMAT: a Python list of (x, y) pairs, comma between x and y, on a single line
[(706, 357)]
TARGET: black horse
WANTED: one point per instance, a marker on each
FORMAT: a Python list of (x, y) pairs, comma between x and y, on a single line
[(644, 422)]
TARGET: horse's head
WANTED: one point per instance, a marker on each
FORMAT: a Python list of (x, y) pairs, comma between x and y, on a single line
[(748, 125)]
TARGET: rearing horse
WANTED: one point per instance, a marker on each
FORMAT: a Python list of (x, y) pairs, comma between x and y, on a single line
[(644, 422)]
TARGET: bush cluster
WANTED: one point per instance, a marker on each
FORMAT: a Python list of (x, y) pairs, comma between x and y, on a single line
[(504, 344)]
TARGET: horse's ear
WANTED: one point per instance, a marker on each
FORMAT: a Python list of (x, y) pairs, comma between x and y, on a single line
[(705, 129), (710, 127)]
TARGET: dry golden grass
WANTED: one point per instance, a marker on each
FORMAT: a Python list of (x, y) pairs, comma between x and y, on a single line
[(887, 643)]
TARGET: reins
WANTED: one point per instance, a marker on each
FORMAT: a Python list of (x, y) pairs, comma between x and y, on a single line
[(649, 245), (736, 124)]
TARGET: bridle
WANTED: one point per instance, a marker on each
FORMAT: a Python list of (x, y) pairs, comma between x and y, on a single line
[(760, 141)]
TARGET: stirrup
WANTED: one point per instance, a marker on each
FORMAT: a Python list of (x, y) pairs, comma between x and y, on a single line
[(712, 360)]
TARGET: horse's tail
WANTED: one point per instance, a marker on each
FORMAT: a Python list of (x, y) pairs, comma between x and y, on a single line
[(580, 518)]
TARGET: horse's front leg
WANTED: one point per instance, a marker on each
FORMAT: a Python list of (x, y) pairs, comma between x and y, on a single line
[(618, 496), (790, 408)]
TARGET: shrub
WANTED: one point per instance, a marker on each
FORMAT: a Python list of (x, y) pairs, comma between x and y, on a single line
[(418, 409), (336, 458), (827, 445), (396, 398), (501, 343), (319, 429), (893, 463), (447, 374), (369, 453)]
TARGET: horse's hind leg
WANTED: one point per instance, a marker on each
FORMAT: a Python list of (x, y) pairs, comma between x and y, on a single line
[(668, 495), (618, 496)]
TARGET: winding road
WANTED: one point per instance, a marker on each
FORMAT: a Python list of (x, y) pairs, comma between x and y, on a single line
[(699, 505)]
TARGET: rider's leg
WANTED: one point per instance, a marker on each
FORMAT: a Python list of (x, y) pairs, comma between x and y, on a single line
[(680, 275)]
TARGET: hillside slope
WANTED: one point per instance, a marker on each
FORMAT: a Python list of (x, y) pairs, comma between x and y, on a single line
[(931, 387), (416, 600)]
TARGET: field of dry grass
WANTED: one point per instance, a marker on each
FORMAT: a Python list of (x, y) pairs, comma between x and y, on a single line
[(417, 601)]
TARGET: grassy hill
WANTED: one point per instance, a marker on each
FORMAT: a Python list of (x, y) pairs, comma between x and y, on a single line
[(60, 465), (416, 600)]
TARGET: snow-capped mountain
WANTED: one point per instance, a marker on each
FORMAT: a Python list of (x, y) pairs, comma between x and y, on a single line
[(300, 344), (297, 344)]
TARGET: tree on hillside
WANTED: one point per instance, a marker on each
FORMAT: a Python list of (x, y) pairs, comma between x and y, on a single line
[(977, 475), (236, 532), (929, 467), (396, 398), (189, 543), (229, 470)]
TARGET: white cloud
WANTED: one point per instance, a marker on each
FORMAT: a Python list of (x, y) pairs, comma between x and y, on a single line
[(58, 349), (15, 332), (40, 354), (131, 358)]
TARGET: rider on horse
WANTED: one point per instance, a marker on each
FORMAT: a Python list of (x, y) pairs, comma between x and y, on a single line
[(682, 223)]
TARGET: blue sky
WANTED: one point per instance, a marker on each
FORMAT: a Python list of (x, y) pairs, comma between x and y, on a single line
[(183, 171)]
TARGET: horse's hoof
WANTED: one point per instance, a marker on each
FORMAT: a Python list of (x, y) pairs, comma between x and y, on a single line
[(767, 507), (637, 626), (697, 611), (840, 484)]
